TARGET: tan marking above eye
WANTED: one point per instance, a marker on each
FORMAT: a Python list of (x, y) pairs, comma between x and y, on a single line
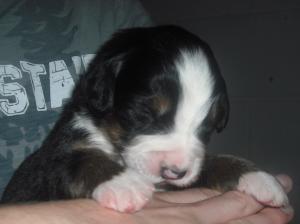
[(161, 104)]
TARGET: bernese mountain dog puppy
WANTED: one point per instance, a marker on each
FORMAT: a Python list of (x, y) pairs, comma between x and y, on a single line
[(139, 120)]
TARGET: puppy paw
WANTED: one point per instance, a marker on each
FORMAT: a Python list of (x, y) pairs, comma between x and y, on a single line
[(264, 188), (127, 192)]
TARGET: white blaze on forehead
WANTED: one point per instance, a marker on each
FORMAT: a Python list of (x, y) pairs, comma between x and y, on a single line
[(197, 87)]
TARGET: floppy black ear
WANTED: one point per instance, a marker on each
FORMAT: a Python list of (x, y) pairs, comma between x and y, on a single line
[(96, 87), (104, 69), (100, 91), (219, 113)]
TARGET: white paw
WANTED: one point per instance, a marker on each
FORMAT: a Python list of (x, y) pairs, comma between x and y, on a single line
[(264, 188), (127, 192)]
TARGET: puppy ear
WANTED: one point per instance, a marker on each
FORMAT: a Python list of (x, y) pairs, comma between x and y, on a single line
[(97, 85), (219, 112), (100, 92)]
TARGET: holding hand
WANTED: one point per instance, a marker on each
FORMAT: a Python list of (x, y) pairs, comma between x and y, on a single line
[(210, 207), (194, 206)]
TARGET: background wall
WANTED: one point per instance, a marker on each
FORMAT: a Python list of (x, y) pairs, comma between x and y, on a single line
[(257, 44)]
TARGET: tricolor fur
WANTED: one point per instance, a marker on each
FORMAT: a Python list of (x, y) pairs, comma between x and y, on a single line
[(140, 117)]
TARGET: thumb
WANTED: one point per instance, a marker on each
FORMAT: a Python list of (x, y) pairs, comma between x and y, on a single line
[(285, 181), (228, 206), (187, 196)]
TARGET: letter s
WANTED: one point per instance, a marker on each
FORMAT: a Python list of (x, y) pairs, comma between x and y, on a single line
[(12, 89)]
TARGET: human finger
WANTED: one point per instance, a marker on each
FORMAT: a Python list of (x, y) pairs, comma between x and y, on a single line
[(267, 216), (186, 196), (228, 206), (285, 181)]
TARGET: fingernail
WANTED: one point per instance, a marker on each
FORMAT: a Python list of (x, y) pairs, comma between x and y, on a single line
[(285, 181)]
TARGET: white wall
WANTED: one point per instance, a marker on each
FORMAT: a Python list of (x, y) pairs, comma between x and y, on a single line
[(257, 44)]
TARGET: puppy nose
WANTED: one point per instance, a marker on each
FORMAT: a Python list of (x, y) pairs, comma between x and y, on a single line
[(172, 173)]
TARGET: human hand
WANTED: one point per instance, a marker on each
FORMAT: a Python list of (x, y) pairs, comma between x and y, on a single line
[(194, 206), (270, 215), (210, 207)]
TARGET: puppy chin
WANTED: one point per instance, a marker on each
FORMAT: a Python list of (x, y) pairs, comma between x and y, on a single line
[(191, 176)]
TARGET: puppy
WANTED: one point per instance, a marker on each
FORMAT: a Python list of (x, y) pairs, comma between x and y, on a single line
[(139, 120)]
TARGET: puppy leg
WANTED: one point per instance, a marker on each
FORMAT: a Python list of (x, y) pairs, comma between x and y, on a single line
[(84, 173), (127, 192), (62, 174), (224, 173), (111, 185), (85, 169)]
